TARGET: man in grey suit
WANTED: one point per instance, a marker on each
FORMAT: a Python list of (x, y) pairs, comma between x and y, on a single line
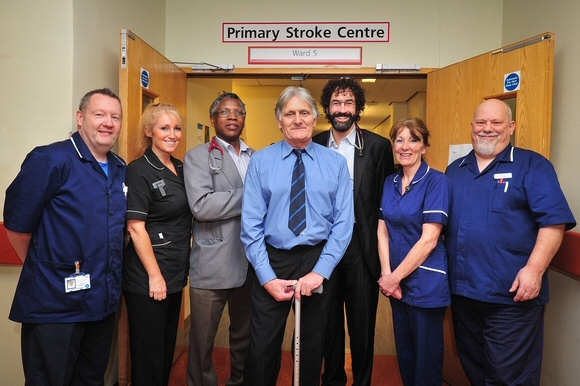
[(219, 271)]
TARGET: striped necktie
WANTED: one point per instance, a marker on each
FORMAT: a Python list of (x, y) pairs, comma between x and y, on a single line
[(297, 219)]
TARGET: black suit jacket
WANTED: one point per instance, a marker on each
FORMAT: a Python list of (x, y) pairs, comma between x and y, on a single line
[(370, 171)]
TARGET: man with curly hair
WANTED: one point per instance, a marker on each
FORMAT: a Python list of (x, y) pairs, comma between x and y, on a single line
[(354, 286)]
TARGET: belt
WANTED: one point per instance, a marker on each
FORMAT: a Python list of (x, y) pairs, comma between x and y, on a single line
[(298, 248)]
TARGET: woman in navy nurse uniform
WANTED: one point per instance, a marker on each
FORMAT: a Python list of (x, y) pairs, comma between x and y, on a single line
[(157, 257), (413, 257)]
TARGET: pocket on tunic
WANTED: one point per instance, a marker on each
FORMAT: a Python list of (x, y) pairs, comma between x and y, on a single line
[(48, 294)]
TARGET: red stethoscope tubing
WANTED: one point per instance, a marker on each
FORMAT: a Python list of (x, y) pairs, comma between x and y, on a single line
[(214, 145)]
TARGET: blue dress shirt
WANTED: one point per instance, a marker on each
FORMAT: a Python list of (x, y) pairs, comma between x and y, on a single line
[(329, 201)]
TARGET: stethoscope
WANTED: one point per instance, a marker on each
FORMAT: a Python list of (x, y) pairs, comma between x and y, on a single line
[(214, 161), (360, 140)]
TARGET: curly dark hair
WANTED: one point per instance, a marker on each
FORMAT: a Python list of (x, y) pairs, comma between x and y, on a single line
[(339, 85)]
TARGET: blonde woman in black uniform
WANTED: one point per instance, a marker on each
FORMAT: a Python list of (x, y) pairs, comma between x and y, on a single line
[(157, 256)]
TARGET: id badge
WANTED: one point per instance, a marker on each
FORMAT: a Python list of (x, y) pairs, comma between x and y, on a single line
[(77, 281)]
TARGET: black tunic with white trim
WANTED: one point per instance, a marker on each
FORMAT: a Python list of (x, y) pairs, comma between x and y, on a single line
[(157, 196)]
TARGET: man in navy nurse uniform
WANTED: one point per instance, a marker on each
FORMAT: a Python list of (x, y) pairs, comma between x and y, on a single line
[(507, 219), (286, 254), (65, 214)]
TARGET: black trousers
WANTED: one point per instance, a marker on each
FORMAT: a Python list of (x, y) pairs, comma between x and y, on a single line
[(152, 335), (75, 354), (355, 291), (269, 321)]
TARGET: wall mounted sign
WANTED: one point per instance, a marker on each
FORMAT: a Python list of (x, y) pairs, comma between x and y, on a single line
[(511, 81), (294, 32), (144, 78), (305, 55)]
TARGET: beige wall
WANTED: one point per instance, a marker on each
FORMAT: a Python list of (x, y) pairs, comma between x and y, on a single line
[(50, 54), (34, 109), (36, 59), (431, 33), (96, 37)]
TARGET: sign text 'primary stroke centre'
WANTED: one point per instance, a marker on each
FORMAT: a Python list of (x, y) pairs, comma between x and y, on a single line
[(305, 32)]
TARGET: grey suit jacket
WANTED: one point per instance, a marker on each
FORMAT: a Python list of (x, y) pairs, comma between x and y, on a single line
[(217, 259)]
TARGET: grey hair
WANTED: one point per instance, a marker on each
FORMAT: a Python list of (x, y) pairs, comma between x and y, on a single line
[(300, 92)]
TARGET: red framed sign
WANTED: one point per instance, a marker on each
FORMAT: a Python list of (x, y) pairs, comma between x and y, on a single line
[(305, 55), (302, 32)]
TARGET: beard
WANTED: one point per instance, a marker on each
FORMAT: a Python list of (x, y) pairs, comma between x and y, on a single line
[(485, 147), (342, 126)]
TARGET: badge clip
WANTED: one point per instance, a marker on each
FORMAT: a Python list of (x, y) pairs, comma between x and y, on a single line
[(78, 281)]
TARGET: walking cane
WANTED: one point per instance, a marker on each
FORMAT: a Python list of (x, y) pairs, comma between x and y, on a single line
[(297, 311)]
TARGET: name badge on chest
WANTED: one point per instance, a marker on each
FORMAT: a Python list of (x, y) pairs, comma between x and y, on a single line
[(78, 281)]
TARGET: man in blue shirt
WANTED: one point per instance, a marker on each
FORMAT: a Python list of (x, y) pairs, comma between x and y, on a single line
[(507, 220), (283, 259), (64, 214)]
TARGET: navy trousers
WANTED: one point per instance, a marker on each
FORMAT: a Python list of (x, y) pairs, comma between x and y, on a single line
[(419, 341), (499, 344), (67, 353)]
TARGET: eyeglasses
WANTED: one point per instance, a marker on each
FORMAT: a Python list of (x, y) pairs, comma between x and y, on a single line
[(226, 113)]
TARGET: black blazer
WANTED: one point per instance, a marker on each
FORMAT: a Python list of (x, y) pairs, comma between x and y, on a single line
[(371, 168)]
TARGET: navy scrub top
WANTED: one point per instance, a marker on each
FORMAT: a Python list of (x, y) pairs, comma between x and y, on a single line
[(75, 213), (494, 222), (427, 201)]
